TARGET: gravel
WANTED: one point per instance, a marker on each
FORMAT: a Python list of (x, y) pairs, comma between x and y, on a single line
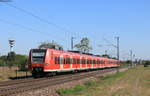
[(51, 90)]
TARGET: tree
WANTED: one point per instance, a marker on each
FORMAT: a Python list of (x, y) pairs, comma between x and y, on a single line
[(106, 55), (11, 59), (52, 45), (21, 61), (3, 60), (84, 45)]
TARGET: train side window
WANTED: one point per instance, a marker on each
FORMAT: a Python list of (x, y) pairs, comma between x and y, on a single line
[(90, 61), (58, 60), (55, 60), (67, 60), (78, 61), (93, 61), (87, 61), (82, 61), (64, 60), (74, 62), (70, 61), (97, 61), (102, 62)]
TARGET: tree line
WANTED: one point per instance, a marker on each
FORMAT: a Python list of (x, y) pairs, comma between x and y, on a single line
[(13, 59)]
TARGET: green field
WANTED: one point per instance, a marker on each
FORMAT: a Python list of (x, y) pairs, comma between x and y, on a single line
[(134, 82)]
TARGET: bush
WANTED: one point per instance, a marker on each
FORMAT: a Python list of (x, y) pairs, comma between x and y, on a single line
[(146, 63), (13, 59)]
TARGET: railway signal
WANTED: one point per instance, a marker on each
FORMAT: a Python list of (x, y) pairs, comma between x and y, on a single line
[(11, 43)]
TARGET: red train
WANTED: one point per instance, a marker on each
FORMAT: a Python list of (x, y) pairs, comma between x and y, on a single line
[(50, 61)]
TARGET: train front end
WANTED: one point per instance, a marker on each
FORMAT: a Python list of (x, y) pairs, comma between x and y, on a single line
[(37, 61)]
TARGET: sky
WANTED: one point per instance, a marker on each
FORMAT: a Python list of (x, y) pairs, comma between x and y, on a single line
[(99, 20)]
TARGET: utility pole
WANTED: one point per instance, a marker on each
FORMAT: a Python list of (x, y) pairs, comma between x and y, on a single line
[(106, 52), (117, 46), (118, 52), (72, 43), (131, 56)]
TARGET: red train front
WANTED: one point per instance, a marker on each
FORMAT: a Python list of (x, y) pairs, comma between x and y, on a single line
[(50, 61)]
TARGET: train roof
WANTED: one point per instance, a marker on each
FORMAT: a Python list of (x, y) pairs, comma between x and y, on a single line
[(75, 53)]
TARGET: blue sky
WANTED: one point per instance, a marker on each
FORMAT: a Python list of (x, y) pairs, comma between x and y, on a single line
[(95, 19)]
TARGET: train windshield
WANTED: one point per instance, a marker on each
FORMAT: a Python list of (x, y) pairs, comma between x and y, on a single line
[(38, 56)]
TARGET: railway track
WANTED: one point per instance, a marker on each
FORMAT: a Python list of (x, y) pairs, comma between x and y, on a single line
[(9, 88)]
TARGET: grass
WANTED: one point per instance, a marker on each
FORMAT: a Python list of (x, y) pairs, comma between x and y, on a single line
[(88, 84), (112, 76), (134, 82), (77, 88)]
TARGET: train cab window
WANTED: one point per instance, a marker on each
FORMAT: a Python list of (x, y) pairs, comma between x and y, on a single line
[(38, 56)]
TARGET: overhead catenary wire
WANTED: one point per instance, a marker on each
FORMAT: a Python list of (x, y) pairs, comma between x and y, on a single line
[(25, 27), (38, 17)]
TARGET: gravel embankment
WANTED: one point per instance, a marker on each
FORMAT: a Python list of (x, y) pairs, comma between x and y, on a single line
[(51, 90)]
